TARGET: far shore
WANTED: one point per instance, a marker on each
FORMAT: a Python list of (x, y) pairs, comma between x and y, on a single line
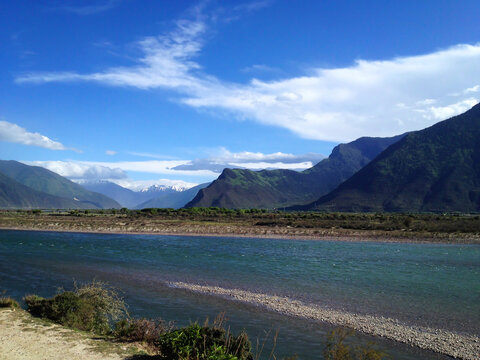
[(354, 237), (120, 224)]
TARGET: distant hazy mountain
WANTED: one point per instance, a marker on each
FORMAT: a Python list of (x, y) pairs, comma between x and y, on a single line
[(436, 169), (239, 188), (161, 196), (48, 182), (174, 200), (125, 197), (14, 195)]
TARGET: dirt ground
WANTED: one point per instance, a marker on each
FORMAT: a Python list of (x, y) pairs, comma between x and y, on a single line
[(23, 337)]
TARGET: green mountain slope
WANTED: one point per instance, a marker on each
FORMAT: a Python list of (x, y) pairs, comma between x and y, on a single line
[(46, 181), (239, 188), (436, 169), (14, 195), (174, 200)]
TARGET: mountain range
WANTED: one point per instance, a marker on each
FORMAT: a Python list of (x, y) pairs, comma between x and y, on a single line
[(436, 169), (432, 170), (241, 188)]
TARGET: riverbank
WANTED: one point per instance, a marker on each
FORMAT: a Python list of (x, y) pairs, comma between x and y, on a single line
[(450, 343), (25, 337), (223, 226)]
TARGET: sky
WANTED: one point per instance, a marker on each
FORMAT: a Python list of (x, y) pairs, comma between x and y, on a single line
[(171, 92)]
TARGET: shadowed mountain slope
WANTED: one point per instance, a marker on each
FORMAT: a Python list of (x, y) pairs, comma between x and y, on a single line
[(436, 169), (240, 188), (48, 182), (14, 195)]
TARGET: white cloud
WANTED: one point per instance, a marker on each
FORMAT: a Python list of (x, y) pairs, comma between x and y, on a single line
[(444, 112), (13, 133), (111, 152), (473, 89), (97, 170), (334, 104), (80, 170), (163, 167)]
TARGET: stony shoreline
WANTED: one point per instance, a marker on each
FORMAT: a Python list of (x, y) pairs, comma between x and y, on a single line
[(462, 346)]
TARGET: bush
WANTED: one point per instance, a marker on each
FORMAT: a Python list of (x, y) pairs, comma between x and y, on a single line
[(91, 307), (337, 349), (8, 302), (143, 330), (204, 342)]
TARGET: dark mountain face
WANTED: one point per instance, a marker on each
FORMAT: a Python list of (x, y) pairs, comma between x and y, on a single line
[(48, 182), (436, 169), (239, 188), (14, 195)]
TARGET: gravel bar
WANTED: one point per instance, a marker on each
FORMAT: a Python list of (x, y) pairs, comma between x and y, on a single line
[(462, 346)]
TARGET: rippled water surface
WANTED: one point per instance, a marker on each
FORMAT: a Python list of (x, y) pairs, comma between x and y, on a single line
[(425, 284)]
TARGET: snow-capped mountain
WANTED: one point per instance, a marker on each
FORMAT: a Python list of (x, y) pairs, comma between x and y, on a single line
[(164, 188), (137, 195)]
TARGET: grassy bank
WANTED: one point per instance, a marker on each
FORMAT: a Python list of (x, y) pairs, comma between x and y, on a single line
[(456, 228)]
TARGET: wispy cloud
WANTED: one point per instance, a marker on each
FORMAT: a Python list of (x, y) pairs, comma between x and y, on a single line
[(252, 6), (206, 168), (75, 169), (90, 7), (252, 160), (260, 68), (334, 104), (11, 132), (151, 155)]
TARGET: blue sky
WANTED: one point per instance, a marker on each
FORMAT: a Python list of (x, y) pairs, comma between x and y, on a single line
[(148, 92)]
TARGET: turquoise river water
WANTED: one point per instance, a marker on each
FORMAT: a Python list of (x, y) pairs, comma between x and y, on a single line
[(423, 284)]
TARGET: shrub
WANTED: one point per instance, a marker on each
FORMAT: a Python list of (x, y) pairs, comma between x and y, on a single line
[(8, 302), (143, 330), (204, 342), (337, 349), (91, 307)]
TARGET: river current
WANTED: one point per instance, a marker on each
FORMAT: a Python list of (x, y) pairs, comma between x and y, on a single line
[(432, 285)]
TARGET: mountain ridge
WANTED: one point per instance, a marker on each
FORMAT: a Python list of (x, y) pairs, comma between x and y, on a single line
[(436, 169), (241, 188)]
